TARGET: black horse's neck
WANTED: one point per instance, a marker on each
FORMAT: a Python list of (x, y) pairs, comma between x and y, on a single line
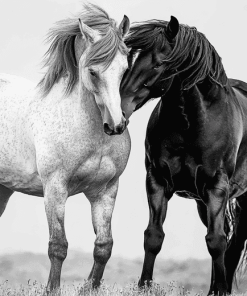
[(199, 79), (188, 106), (208, 81)]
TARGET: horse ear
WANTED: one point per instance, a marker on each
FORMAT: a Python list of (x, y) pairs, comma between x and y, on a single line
[(124, 26), (88, 34), (172, 28), (79, 48)]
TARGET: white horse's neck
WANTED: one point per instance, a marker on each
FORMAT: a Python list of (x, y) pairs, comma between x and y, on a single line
[(79, 101), (78, 94)]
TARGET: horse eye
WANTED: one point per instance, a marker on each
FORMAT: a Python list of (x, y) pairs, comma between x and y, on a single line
[(92, 73), (158, 66)]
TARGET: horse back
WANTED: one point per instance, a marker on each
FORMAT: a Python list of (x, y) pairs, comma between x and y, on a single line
[(240, 85), (16, 94), (8, 81)]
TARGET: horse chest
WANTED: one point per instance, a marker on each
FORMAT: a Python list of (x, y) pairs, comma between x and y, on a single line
[(106, 163), (182, 171), (93, 175), (176, 165)]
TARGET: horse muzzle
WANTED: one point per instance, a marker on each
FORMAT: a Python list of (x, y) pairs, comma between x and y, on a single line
[(111, 130)]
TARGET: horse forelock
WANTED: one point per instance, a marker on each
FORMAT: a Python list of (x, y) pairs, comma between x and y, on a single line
[(60, 57), (191, 50), (104, 50), (144, 36)]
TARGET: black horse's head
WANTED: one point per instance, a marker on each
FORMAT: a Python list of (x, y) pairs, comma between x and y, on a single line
[(148, 75)]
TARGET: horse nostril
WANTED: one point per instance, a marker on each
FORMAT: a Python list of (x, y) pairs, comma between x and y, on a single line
[(120, 129), (123, 114), (107, 129)]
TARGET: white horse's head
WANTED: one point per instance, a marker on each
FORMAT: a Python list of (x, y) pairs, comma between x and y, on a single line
[(90, 49), (102, 60)]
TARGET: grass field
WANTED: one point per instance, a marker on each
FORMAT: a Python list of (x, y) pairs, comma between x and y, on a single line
[(27, 273), (35, 289)]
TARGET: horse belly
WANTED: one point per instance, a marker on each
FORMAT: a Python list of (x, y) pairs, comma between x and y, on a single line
[(22, 182), (18, 170)]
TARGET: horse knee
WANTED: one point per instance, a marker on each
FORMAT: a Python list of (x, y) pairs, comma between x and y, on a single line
[(102, 250), (58, 250), (153, 239), (216, 244)]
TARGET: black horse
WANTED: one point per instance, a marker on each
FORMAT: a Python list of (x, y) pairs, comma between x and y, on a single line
[(196, 141)]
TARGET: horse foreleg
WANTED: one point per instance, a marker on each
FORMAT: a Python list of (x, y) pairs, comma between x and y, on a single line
[(216, 199), (102, 207), (55, 194), (154, 234)]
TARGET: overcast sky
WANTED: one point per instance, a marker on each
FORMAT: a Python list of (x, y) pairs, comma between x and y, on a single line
[(23, 26)]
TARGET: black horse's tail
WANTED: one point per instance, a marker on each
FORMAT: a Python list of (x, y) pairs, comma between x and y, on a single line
[(236, 229)]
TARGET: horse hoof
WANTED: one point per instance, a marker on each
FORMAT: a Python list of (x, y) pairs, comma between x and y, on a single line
[(86, 289), (144, 283), (55, 292)]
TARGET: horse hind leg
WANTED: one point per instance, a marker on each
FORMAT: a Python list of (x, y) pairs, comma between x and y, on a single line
[(5, 194), (237, 241), (202, 211)]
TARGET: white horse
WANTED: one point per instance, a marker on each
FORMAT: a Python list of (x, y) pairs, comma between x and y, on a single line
[(68, 135)]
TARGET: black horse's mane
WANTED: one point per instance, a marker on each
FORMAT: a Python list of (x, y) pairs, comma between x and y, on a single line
[(191, 51)]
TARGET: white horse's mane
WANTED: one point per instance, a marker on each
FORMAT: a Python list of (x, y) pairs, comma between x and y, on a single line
[(60, 57)]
